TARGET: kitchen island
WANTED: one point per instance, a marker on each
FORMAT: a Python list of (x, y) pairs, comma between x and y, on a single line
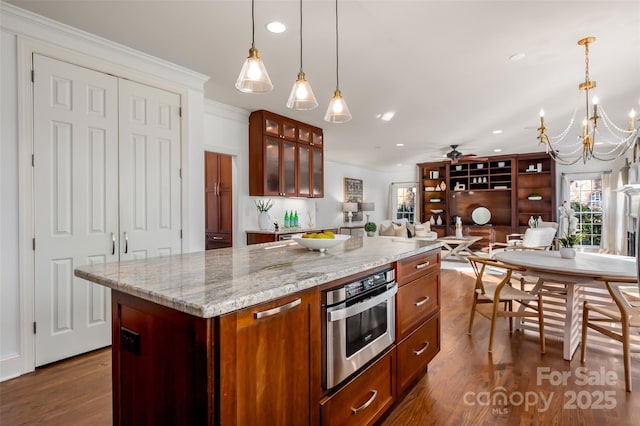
[(233, 336)]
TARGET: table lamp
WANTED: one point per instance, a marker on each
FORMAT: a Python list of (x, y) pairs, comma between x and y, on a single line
[(367, 207), (350, 208)]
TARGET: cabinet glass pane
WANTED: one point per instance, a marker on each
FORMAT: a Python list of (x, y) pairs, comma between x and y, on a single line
[(304, 135), (272, 166), (271, 126), (304, 183), (289, 168), (289, 130), (318, 183), (317, 138)]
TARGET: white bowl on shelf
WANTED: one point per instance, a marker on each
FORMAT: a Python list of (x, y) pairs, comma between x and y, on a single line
[(320, 244), (437, 211)]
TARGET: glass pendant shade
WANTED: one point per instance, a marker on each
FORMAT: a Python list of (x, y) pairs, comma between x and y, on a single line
[(301, 96), (253, 76), (338, 111)]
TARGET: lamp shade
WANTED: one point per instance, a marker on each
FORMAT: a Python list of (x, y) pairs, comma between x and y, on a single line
[(367, 207), (349, 207), (338, 111), (302, 96), (253, 77)]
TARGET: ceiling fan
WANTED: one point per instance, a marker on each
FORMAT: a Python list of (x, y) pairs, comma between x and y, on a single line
[(454, 155)]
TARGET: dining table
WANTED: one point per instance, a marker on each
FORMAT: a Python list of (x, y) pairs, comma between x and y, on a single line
[(576, 279)]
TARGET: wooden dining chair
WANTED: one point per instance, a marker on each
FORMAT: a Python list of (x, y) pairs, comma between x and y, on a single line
[(501, 293), (624, 311)]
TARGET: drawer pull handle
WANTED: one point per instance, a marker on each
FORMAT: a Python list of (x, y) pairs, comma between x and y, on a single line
[(277, 309), (217, 238), (421, 351), (423, 301), (366, 404), (422, 265)]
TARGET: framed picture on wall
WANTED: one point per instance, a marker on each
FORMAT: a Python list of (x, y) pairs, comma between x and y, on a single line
[(353, 194)]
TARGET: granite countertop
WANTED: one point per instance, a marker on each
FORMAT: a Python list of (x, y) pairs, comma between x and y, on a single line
[(292, 230), (216, 282)]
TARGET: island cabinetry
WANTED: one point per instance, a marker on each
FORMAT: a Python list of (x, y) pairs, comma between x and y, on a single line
[(365, 398), (417, 316), (285, 157), (162, 364), (270, 363)]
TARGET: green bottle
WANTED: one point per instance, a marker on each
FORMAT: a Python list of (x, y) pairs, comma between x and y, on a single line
[(286, 219), (295, 219)]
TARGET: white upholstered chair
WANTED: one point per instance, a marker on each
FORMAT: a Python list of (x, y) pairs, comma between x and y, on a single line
[(540, 238)]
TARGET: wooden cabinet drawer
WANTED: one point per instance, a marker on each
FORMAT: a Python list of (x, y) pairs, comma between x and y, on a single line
[(370, 394), (218, 240), (415, 302), (415, 352), (416, 266)]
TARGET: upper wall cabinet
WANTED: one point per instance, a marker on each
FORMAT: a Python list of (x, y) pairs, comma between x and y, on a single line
[(286, 157)]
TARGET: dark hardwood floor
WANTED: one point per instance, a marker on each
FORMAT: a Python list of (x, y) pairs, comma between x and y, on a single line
[(462, 384)]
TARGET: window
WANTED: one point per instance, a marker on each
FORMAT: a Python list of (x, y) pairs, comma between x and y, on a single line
[(585, 197), (405, 203)]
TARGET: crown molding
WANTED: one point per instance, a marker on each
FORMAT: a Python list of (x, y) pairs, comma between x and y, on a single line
[(226, 111), (35, 27)]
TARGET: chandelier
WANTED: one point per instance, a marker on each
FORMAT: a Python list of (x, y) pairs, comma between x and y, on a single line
[(592, 142)]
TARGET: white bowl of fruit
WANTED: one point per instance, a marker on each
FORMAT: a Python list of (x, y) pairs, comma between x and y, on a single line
[(320, 240)]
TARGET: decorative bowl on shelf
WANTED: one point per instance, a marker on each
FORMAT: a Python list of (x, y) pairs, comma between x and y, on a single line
[(437, 211), (534, 197), (320, 244), (435, 200), (429, 188)]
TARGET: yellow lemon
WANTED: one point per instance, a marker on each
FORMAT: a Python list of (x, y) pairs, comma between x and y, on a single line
[(329, 234)]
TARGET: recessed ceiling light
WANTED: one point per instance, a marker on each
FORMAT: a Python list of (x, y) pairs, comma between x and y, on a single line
[(276, 27), (517, 56), (399, 144), (387, 116), (497, 132), (497, 150), (399, 164)]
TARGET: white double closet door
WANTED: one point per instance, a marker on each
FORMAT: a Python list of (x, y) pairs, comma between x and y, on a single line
[(106, 188)]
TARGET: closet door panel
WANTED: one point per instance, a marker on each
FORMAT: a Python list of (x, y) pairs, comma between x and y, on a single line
[(150, 198), (75, 197)]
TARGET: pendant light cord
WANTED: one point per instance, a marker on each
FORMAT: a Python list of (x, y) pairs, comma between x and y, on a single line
[(301, 36), (253, 27), (337, 55)]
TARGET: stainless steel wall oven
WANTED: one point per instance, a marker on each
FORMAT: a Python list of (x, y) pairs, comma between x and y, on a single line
[(358, 323)]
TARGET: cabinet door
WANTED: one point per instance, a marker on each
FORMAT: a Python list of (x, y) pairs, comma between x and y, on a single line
[(318, 172), (225, 185), (270, 362), (304, 171), (272, 167), (289, 167)]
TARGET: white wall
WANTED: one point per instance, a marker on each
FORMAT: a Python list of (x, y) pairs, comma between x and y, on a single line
[(9, 243)]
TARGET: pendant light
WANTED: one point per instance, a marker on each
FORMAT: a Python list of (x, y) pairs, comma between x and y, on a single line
[(338, 111), (301, 96), (253, 76)]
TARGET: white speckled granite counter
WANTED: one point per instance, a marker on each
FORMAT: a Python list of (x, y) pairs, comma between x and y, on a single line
[(215, 282)]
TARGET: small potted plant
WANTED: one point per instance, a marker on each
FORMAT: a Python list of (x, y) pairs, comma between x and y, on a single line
[(370, 228), (263, 207)]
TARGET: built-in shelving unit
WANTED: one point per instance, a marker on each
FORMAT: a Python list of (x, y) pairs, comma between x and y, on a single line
[(502, 184)]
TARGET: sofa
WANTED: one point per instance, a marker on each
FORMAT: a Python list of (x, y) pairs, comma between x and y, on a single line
[(402, 228)]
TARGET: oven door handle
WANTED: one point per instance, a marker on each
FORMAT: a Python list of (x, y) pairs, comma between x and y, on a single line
[(352, 310)]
